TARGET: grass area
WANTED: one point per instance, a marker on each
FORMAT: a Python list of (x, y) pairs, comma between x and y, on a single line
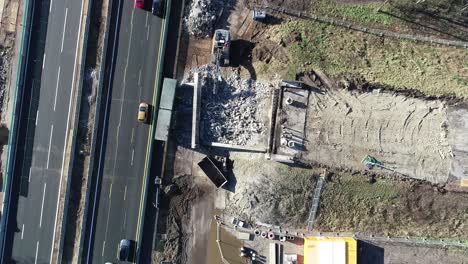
[(388, 207), (434, 70), (438, 18), (362, 13), (365, 13)]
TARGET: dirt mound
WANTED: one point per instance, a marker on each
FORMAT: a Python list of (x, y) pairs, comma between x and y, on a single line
[(271, 192), (184, 192)]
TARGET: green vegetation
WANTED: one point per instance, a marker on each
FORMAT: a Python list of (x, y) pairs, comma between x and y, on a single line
[(365, 13), (434, 70)]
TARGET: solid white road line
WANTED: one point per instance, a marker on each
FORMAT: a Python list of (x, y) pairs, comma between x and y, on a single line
[(103, 247), (56, 87), (139, 77), (29, 177), (146, 23), (50, 144), (22, 232), (64, 27), (37, 250), (50, 7), (133, 153), (66, 136), (125, 192), (147, 33), (42, 206), (37, 116), (43, 60)]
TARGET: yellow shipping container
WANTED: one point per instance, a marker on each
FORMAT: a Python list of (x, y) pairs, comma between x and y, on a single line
[(330, 250)]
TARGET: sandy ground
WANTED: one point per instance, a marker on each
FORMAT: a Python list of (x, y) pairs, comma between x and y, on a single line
[(408, 135), (412, 137)]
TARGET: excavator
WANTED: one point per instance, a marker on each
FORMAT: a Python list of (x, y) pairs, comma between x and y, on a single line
[(221, 47), (220, 52)]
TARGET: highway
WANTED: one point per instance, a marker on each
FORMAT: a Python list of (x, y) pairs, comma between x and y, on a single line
[(41, 167), (120, 201)]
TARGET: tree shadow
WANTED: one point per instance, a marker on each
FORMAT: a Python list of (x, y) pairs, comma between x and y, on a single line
[(437, 27)]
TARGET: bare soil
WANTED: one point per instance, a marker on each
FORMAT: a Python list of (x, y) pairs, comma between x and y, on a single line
[(351, 203), (179, 205), (409, 135), (391, 253)]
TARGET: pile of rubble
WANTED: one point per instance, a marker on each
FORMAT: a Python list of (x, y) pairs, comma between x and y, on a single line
[(229, 107), (201, 17), (5, 64), (270, 192)]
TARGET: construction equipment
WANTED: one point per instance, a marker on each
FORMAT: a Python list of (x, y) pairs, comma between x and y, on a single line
[(370, 162), (220, 53), (214, 170), (259, 15), (221, 45)]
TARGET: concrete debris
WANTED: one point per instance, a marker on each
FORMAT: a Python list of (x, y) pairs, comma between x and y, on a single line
[(231, 115), (271, 193), (91, 74), (201, 17), (5, 65)]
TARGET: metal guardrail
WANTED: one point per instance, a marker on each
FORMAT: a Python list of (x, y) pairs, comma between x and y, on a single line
[(22, 70), (98, 117), (153, 126), (75, 131)]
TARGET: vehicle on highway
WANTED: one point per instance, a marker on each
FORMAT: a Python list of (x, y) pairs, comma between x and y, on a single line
[(143, 111), (139, 3), (123, 252), (158, 8)]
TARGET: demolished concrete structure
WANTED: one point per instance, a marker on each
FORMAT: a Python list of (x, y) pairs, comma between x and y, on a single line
[(201, 17), (231, 115)]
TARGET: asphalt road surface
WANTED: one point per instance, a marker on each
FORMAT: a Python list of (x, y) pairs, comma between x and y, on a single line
[(120, 200), (42, 168)]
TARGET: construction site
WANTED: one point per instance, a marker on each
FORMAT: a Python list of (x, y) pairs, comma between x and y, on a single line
[(324, 132)]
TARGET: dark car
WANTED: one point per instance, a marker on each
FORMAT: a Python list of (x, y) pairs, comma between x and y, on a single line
[(123, 252), (158, 8)]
